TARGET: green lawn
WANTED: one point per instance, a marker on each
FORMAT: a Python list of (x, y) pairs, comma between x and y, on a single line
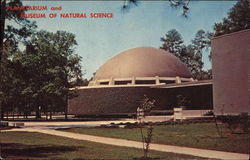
[(26, 145), (203, 135)]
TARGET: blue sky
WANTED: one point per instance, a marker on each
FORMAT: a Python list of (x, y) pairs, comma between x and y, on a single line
[(100, 39)]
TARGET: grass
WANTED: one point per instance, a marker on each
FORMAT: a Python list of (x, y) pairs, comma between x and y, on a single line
[(27, 145), (203, 135)]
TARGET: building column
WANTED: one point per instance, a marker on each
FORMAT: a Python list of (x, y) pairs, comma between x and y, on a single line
[(177, 79), (111, 81), (133, 80), (96, 83), (157, 80)]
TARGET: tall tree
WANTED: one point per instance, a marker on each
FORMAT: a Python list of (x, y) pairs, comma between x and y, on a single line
[(51, 66), (238, 18), (10, 37), (202, 43), (173, 43), (191, 54), (202, 40)]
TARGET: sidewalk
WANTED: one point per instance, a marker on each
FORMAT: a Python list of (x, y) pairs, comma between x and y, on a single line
[(129, 143)]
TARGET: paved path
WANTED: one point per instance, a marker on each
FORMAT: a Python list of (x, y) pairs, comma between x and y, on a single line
[(128, 143), (73, 123)]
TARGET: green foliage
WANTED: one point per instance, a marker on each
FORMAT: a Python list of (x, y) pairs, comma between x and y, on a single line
[(236, 123), (40, 77), (147, 104), (238, 18), (14, 35), (28, 145), (180, 4), (191, 54), (173, 43), (50, 60), (10, 38), (182, 101), (198, 135), (128, 3)]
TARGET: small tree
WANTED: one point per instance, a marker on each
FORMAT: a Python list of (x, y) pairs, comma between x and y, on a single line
[(182, 101), (146, 106), (148, 140)]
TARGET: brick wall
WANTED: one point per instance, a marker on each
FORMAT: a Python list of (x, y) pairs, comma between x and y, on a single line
[(112, 100)]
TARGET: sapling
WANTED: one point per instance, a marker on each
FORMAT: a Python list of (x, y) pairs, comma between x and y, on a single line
[(145, 106)]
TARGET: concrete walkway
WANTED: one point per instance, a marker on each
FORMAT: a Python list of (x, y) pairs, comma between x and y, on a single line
[(128, 143)]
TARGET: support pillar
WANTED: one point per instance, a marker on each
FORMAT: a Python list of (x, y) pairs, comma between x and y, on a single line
[(133, 80), (157, 80), (96, 83), (111, 81), (177, 79)]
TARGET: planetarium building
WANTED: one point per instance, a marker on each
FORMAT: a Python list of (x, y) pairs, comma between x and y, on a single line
[(121, 83)]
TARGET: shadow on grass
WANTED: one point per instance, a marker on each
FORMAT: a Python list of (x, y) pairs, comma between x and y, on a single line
[(5, 127), (18, 150)]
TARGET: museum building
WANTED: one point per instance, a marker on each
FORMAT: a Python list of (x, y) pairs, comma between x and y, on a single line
[(121, 83)]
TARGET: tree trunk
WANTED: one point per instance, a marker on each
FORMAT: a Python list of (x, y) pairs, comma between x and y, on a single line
[(38, 112), (1, 112), (66, 109), (66, 115), (2, 26), (50, 114)]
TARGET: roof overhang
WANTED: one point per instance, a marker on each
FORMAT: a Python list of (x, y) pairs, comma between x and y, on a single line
[(174, 85), (185, 84)]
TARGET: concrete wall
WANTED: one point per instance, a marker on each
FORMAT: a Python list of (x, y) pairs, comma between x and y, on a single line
[(231, 73), (117, 100)]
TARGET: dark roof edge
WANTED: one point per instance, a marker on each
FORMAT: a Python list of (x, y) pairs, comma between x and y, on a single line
[(230, 34), (186, 84)]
